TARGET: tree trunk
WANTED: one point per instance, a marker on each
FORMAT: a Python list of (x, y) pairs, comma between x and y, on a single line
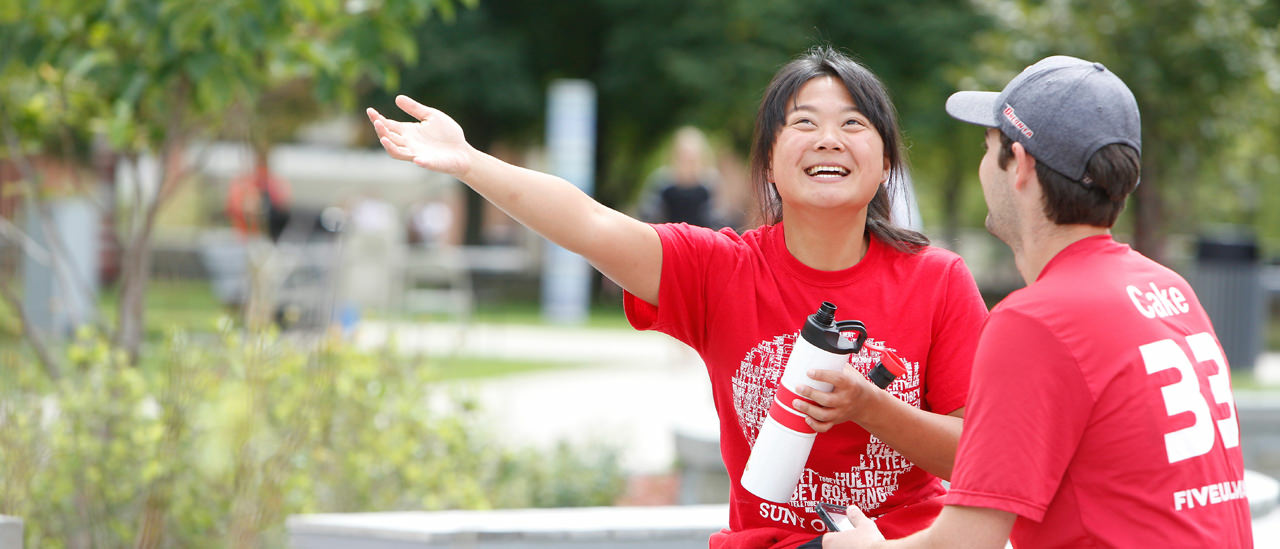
[(952, 187), (135, 274), (1148, 210), (151, 531), (135, 271)]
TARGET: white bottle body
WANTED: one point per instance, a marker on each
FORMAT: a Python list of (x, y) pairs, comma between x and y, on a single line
[(780, 452)]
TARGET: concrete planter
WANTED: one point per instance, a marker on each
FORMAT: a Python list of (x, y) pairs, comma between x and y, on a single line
[(10, 532)]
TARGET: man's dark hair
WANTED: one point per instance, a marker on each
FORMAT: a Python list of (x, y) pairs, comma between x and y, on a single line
[(1112, 173)]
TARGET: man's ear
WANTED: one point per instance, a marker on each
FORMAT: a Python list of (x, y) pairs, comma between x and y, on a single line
[(1024, 166)]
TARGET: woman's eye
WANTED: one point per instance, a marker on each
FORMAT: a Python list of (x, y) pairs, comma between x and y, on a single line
[(802, 122), (853, 122)]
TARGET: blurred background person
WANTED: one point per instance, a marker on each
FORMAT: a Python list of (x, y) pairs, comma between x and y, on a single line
[(258, 202), (684, 190)]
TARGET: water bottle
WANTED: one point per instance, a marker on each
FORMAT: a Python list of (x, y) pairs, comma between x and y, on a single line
[(784, 441)]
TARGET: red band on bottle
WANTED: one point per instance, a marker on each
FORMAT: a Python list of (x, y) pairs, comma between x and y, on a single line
[(782, 412)]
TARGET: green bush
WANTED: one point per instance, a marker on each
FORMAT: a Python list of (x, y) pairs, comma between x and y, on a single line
[(219, 440)]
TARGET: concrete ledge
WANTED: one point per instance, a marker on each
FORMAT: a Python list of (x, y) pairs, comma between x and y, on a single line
[(703, 478), (11, 532), (667, 527), (1259, 415)]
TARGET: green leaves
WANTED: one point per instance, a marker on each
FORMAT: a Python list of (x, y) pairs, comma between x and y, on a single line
[(144, 65), (1198, 70), (225, 436)]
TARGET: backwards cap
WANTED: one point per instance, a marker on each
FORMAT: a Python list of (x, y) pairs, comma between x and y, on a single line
[(1062, 109)]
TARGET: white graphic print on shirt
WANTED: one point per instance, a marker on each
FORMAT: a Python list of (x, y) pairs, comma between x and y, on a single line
[(870, 480)]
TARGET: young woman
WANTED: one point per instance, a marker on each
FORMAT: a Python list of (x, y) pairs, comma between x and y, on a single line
[(826, 155)]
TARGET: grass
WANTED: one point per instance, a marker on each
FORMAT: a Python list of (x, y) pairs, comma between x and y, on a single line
[(460, 368), (185, 305), (191, 306), (10, 328), (601, 315), (1244, 380), (1272, 337), (171, 304)]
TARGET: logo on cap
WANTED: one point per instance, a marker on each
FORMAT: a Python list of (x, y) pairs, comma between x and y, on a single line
[(1017, 122)]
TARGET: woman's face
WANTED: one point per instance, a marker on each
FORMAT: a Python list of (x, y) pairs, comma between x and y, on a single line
[(827, 155)]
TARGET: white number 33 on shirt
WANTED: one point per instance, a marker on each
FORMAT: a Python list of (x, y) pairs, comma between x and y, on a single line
[(1184, 395)]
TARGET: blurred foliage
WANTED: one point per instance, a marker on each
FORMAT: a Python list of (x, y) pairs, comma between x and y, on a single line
[(225, 437), (138, 71), (113, 80), (660, 64), (1206, 74)]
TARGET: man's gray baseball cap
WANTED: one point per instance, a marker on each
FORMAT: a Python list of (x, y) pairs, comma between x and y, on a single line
[(1062, 109)]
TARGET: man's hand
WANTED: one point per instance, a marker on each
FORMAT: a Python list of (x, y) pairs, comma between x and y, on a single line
[(863, 532)]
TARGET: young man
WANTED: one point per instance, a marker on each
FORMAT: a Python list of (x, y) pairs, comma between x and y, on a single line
[(1100, 412)]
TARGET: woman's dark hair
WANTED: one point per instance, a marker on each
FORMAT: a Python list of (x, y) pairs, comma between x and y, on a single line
[(871, 99), (1112, 172)]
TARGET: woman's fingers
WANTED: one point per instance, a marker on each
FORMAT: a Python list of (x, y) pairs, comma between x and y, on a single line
[(825, 399), (383, 132), (385, 126), (387, 129), (413, 108), (396, 151), (432, 141), (816, 412)]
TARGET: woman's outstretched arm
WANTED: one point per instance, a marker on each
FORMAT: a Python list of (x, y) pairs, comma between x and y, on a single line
[(624, 249)]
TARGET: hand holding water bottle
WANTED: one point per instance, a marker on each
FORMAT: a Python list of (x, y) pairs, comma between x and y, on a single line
[(850, 391)]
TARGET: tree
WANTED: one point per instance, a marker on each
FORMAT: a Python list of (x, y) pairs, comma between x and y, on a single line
[(1199, 69), (660, 64), (154, 76)]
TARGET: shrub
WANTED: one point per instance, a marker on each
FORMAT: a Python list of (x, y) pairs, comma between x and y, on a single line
[(219, 439)]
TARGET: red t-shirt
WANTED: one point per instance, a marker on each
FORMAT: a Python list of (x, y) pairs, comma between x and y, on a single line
[(1101, 411), (740, 300)]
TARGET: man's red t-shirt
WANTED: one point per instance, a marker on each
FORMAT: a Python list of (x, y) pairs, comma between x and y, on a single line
[(1101, 411)]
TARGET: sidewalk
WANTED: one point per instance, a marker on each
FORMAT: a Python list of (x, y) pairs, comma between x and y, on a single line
[(626, 388)]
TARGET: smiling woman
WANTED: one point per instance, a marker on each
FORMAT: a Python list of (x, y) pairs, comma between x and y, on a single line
[(857, 109), (827, 164), (825, 156)]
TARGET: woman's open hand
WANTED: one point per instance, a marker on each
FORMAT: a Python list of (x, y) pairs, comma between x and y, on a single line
[(434, 141)]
